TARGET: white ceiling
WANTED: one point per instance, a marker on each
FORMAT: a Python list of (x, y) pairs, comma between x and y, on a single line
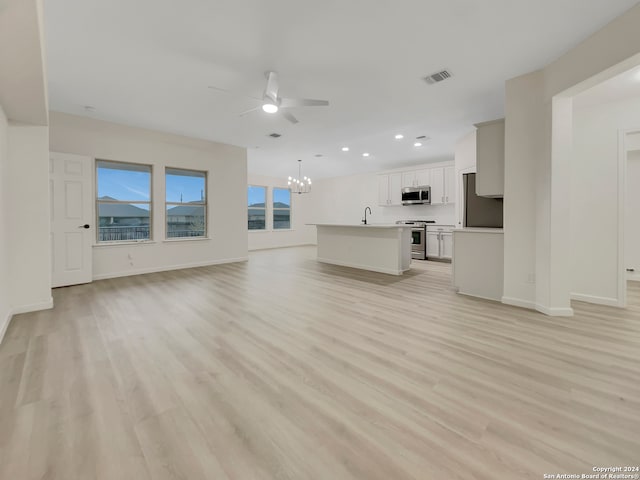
[(148, 63)]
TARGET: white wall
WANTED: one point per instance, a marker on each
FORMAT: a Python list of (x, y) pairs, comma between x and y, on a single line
[(632, 215), (343, 200), (29, 224), (5, 304), (537, 173), (594, 197), (227, 183), (300, 234)]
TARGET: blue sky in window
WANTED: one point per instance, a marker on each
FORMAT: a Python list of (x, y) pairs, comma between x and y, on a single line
[(256, 195), (185, 189), (123, 184), (282, 195)]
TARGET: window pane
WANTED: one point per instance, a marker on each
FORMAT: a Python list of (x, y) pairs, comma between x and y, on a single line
[(281, 218), (123, 181), (257, 199), (281, 198), (123, 221), (257, 219), (185, 186), (257, 196), (186, 221)]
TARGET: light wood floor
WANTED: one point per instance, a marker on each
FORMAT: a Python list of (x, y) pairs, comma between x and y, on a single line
[(283, 368)]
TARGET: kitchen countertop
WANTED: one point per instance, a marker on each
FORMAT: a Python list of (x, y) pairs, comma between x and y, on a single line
[(356, 225)]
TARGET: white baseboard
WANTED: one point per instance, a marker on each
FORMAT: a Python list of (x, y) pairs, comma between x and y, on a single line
[(611, 302), (33, 307), (554, 312), (257, 249), (143, 271), (517, 302), (4, 324), (388, 271), (473, 295)]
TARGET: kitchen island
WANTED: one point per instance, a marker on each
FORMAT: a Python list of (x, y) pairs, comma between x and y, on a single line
[(384, 248)]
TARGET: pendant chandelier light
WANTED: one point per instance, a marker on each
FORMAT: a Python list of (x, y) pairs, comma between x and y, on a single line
[(300, 184)]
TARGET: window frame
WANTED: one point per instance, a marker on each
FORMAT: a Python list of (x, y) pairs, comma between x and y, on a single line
[(266, 202), (122, 202), (274, 209), (205, 204)]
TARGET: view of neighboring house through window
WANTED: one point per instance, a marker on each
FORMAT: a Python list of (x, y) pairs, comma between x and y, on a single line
[(257, 201), (123, 201), (186, 199), (281, 208)]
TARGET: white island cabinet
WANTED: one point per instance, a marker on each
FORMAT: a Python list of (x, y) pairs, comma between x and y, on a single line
[(377, 247)]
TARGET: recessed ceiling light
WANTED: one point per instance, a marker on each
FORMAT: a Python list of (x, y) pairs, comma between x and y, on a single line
[(399, 136), (365, 154), (270, 107), (345, 149), (417, 144)]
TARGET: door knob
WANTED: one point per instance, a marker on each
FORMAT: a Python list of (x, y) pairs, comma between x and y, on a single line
[(86, 225)]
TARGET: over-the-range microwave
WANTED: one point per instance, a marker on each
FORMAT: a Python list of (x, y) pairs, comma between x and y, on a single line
[(416, 195)]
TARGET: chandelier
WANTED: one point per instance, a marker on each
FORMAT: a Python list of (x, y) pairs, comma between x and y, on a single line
[(300, 184)]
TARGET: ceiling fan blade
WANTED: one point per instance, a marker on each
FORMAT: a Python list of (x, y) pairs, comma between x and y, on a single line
[(271, 91), (249, 111), (289, 117), (230, 92), (302, 102)]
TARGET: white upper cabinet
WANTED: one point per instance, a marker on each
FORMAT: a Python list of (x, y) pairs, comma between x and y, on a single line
[(443, 185), (416, 178), (437, 186), (490, 158), (390, 190)]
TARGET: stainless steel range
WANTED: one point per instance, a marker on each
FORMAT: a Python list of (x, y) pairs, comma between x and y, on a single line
[(418, 237)]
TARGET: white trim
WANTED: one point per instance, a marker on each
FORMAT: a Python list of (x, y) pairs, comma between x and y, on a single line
[(517, 302), (609, 301), (123, 242), (284, 246), (388, 271), (472, 295), (33, 307), (185, 239), (5, 324), (554, 312), (143, 271)]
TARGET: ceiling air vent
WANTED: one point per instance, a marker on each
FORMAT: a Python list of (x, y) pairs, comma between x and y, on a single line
[(437, 77), (275, 135), (422, 137)]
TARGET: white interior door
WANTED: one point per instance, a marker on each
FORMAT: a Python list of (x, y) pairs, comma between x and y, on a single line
[(72, 230)]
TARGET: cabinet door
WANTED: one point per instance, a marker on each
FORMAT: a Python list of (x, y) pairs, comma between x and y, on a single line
[(383, 190), (446, 244), (408, 179), (449, 185), (433, 245), (422, 177), (395, 189), (437, 186)]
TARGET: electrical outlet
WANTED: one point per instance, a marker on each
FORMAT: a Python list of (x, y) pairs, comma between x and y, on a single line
[(531, 278)]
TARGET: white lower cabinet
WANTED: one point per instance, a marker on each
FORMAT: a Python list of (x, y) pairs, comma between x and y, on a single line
[(439, 242)]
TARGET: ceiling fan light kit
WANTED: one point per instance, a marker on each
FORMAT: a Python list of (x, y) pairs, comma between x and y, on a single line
[(273, 103)]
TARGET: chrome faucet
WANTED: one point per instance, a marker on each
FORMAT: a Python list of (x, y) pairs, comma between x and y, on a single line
[(364, 220)]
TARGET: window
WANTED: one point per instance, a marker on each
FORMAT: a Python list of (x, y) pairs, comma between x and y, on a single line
[(123, 201), (281, 208), (186, 203), (257, 201)]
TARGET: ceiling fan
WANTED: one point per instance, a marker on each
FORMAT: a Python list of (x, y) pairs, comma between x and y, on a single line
[(273, 103)]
